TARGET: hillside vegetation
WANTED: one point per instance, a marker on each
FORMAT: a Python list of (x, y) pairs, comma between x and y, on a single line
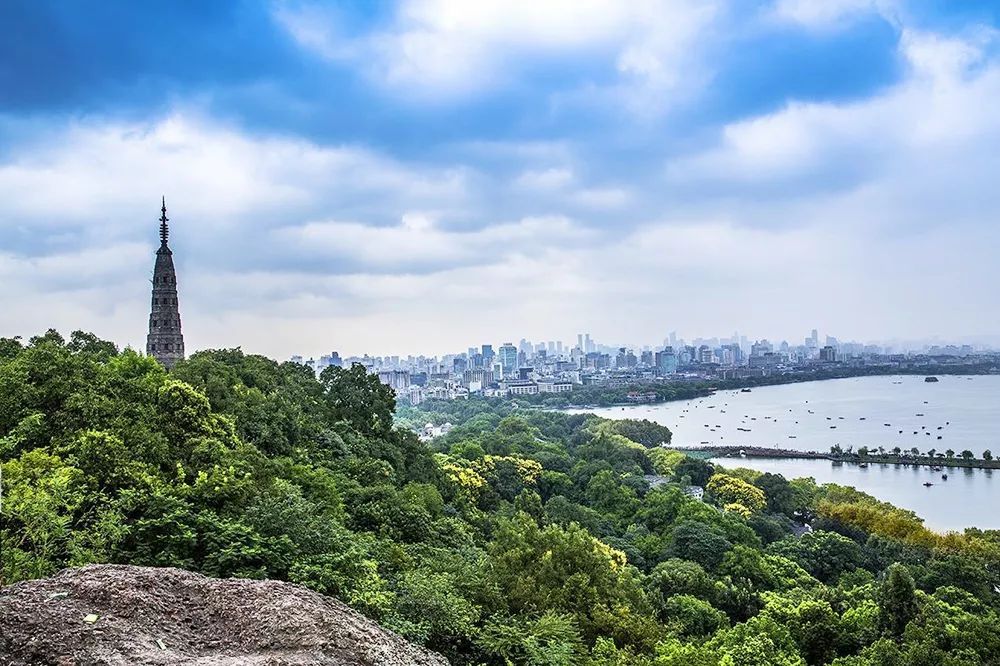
[(521, 537)]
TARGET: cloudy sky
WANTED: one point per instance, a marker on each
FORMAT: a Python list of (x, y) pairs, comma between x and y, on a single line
[(421, 176)]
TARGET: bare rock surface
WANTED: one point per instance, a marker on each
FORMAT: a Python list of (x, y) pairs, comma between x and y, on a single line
[(124, 615)]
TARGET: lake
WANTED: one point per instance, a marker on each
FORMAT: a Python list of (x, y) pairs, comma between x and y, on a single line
[(954, 413)]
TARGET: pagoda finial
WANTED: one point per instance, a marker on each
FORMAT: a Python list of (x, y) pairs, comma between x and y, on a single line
[(164, 232)]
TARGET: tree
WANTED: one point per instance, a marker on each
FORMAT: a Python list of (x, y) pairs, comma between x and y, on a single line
[(552, 639), (987, 455), (968, 455), (897, 599), (698, 542), (676, 576), (733, 491), (690, 616), (825, 555), (781, 495), (696, 470), (949, 454), (359, 398), (643, 431)]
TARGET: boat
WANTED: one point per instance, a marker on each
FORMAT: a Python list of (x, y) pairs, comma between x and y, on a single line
[(928, 484), (930, 379), (746, 390), (944, 477), (863, 465)]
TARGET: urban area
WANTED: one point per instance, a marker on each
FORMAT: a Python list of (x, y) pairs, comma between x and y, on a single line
[(529, 368)]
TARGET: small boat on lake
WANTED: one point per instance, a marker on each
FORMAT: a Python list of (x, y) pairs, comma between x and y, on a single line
[(928, 484), (944, 477), (930, 379)]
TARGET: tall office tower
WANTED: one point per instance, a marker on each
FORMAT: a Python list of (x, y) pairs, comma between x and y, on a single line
[(508, 359)]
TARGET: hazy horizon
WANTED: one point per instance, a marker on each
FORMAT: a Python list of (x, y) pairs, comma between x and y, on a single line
[(423, 176)]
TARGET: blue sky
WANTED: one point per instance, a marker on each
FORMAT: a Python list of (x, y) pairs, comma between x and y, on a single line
[(424, 175)]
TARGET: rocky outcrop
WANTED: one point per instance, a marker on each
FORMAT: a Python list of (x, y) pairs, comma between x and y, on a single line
[(110, 614)]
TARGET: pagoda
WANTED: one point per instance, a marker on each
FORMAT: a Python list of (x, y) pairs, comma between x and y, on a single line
[(165, 342)]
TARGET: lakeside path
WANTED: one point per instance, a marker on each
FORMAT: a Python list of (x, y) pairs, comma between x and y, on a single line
[(737, 452)]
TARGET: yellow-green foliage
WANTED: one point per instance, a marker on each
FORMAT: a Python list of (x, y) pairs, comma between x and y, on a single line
[(736, 494), (665, 461)]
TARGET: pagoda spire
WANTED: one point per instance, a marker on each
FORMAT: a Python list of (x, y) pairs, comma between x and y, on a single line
[(165, 341), (164, 231)]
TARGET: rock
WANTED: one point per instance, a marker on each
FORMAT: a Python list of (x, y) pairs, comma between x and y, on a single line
[(161, 616)]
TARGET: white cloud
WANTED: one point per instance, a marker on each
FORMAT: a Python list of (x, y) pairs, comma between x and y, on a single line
[(831, 14), (216, 173), (545, 179), (941, 111), (447, 48)]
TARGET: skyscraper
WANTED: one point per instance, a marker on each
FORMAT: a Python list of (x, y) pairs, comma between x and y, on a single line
[(165, 342), (508, 359)]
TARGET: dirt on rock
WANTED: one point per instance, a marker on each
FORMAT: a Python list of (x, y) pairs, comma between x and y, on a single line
[(124, 615)]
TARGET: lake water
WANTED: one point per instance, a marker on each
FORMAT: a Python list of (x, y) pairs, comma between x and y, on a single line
[(954, 413)]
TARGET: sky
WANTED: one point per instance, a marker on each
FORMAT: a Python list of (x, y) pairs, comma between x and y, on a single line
[(421, 176)]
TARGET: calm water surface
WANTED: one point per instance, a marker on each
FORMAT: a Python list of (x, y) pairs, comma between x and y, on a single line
[(954, 413)]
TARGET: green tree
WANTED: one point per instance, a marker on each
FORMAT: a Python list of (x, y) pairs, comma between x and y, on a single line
[(897, 599), (698, 542), (359, 398), (696, 470)]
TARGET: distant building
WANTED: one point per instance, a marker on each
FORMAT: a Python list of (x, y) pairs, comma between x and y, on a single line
[(519, 387), (508, 359), (705, 354), (397, 380), (666, 361), (554, 386), (477, 380)]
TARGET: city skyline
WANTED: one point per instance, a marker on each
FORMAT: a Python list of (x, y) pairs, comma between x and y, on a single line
[(418, 175)]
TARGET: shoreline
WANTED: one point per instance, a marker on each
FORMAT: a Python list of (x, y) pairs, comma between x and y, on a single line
[(738, 452), (776, 380)]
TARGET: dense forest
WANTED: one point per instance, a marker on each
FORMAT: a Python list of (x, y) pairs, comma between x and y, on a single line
[(521, 537)]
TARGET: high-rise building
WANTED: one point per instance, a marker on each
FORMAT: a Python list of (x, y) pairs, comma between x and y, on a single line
[(508, 359), (165, 342)]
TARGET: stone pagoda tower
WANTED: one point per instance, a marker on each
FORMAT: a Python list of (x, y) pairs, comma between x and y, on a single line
[(165, 342)]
